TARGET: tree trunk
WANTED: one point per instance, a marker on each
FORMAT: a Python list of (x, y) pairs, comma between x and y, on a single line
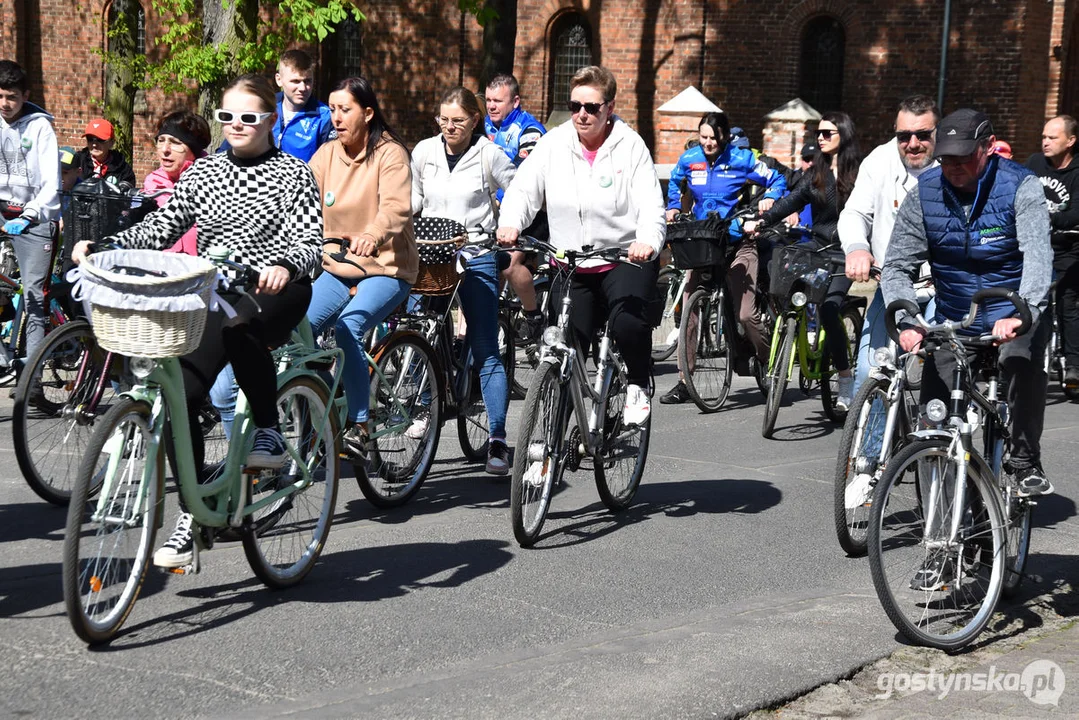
[(499, 40), (228, 24), (120, 75)]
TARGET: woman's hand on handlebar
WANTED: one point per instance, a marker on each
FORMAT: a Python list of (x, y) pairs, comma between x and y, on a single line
[(639, 252), (672, 214), (859, 263), (80, 251), (272, 280), (749, 227), (507, 236)]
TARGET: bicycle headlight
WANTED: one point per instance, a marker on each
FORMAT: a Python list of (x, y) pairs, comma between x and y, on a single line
[(552, 336), (799, 299), (936, 410), (882, 357), (141, 367)]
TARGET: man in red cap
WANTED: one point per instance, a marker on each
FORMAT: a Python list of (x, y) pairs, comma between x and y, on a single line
[(99, 160)]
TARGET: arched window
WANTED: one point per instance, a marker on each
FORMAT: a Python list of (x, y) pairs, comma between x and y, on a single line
[(571, 50), (342, 54), (114, 24), (821, 64)]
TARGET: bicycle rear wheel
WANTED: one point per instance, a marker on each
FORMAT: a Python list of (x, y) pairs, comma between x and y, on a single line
[(859, 452), (704, 350), (472, 423), (109, 538), (936, 595), (665, 336), (778, 375), (538, 459), (405, 424), (55, 411), (283, 540), (1018, 513), (625, 450)]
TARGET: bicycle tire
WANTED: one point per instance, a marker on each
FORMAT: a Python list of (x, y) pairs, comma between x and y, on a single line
[(869, 412), (121, 437), (778, 376), (473, 426), (539, 454), (526, 352), (397, 464), (711, 341), (283, 541), (829, 383), (667, 283), (619, 470), (50, 432), (1019, 512), (950, 617)]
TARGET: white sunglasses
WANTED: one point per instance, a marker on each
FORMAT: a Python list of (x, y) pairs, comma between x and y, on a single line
[(226, 117)]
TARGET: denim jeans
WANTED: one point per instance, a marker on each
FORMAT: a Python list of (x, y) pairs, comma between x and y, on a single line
[(375, 299), (478, 294), (33, 252), (223, 396)]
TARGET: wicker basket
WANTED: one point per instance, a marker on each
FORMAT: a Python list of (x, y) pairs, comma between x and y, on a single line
[(131, 316), (437, 242)]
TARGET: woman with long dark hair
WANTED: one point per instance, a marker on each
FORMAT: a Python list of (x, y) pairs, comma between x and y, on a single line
[(825, 189)]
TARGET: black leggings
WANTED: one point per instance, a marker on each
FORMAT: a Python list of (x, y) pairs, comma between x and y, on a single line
[(835, 335), (619, 296), (245, 341)]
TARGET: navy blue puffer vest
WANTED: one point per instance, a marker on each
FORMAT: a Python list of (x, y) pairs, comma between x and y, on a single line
[(967, 255)]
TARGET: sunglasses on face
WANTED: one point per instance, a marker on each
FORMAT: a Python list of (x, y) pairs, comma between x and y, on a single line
[(827, 134), (590, 108), (226, 117), (904, 136)]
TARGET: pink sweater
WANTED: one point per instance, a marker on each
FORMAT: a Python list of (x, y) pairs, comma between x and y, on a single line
[(159, 180)]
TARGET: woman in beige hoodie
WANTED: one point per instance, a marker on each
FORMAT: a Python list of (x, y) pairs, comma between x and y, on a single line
[(365, 179)]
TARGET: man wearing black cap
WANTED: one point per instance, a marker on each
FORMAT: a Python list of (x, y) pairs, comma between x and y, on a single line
[(980, 221)]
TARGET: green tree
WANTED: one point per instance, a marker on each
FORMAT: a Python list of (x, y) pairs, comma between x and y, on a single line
[(120, 75)]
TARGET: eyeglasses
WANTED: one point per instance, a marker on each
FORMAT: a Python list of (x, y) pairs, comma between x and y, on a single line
[(958, 159), (574, 107), (459, 123), (226, 117), (904, 136), (826, 134)]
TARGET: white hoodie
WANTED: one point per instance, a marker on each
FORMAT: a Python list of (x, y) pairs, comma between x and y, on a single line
[(30, 164), (611, 203)]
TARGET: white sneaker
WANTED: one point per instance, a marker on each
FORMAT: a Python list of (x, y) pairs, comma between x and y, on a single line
[(418, 429), (860, 491), (638, 406), (845, 395), (178, 550)]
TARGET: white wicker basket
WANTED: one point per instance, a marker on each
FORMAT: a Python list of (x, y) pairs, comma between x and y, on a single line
[(133, 315)]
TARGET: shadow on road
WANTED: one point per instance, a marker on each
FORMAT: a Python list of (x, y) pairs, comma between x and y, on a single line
[(351, 576), (33, 520)]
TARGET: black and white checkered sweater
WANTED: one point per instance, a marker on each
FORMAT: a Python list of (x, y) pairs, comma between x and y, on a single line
[(266, 210)]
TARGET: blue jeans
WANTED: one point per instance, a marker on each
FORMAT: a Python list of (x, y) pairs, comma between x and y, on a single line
[(375, 299), (479, 301), (223, 396)]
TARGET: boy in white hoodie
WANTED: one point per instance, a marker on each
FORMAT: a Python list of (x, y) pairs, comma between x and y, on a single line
[(29, 190)]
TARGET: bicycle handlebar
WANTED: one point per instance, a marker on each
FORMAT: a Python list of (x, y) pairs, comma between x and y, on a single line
[(341, 255), (949, 327)]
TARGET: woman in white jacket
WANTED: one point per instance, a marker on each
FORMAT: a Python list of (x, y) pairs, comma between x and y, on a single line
[(455, 174), (600, 185)]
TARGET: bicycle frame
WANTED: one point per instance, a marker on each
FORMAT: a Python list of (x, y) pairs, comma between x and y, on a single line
[(809, 360)]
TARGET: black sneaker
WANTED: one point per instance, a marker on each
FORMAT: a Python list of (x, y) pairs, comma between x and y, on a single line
[(1071, 378), (935, 574), (355, 442), (1032, 481), (178, 550), (498, 458), (676, 396), (268, 452)]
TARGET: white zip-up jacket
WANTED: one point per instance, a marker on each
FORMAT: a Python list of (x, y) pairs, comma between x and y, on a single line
[(464, 194), (869, 215), (30, 164), (612, 203)]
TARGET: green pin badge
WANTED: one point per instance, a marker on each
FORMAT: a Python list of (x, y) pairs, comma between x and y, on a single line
[(330, 197), (27, 143), (605, 181)]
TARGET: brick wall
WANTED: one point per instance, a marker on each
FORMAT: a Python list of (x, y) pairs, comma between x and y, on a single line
[(742, 54)]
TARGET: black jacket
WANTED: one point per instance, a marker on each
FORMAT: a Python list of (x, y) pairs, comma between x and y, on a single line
[(117, 168), (1062, 194), (825, 207)]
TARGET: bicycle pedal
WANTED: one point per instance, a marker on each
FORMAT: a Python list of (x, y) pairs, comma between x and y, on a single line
[(190, 569)]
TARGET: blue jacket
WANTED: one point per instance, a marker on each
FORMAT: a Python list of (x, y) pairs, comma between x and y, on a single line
[(967, 255), (306, 131), (508, 135), (715, 187)]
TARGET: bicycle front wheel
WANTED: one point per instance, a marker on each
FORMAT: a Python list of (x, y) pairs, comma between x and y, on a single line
[(116, 507), (666, 336), (937, 593), (778, 375), (625, 450), (856, 466), (56, 405), (537, 460), (704, 350), (283, 540)]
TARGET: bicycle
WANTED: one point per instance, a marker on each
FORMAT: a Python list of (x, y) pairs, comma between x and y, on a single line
[(117, 502), (12, 308), (561, 389), (949, 533), (800, 278), (671, 286), (525, 346), (1055, 364)]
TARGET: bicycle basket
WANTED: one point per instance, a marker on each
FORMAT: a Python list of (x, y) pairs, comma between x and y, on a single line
[(437, 242), (159, 313), (797, 268), (94, 210), (697, 243)]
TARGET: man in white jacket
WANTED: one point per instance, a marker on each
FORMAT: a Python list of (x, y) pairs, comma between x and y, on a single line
[(865, 225), (29, 190)]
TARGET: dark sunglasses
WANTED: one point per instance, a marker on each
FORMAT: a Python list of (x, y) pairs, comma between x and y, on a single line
[(904, 136), (826, 134), (246, 118), (590, 108)]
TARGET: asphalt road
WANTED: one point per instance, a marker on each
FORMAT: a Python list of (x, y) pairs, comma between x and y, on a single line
[(720, 591)]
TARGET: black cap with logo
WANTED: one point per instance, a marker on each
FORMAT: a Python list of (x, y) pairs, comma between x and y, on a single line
[(960, 133)]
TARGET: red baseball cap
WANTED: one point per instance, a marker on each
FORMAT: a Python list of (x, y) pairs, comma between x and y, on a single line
[(99, 128)]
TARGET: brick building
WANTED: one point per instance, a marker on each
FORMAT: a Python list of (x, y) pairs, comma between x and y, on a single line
[(1016, 59)]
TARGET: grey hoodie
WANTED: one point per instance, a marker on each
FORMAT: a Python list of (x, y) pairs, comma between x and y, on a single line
[(30, 164)]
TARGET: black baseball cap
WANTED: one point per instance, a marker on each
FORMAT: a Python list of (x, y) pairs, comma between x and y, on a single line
[(960, 133), (809, 150)]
